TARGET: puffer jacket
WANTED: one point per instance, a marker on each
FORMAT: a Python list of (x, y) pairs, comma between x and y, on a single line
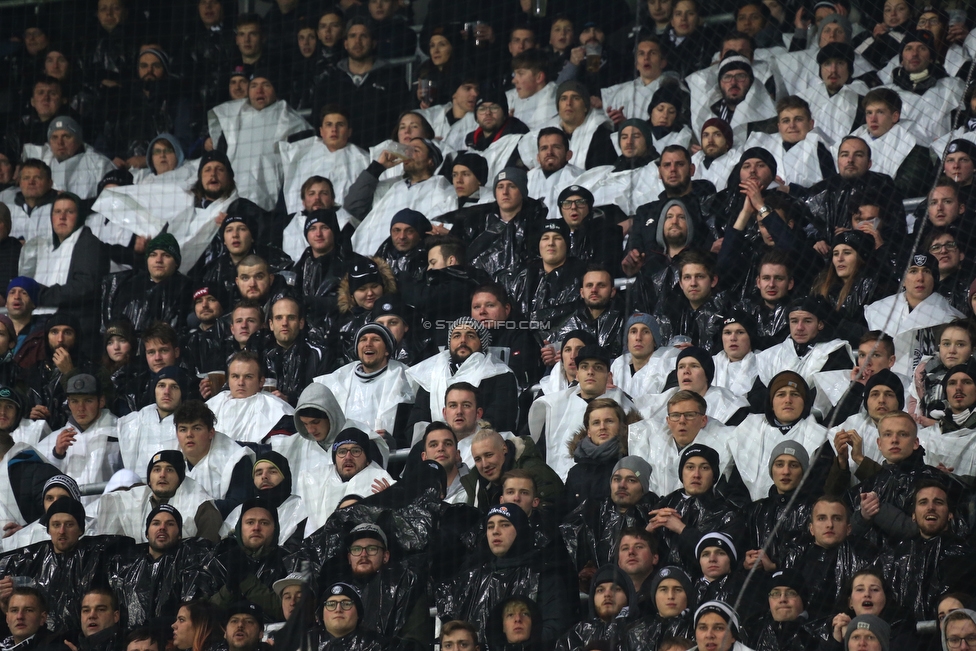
[(589, 479), (351, 317)]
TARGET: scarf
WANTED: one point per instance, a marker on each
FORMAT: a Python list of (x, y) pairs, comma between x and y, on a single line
[(369, 377), (783, 427), (962, 416), (587, 449)]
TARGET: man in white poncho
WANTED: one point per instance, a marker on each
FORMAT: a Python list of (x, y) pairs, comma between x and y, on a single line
[(250, 130), (247, 413), (330, 155), (125, 512), (373, 388), (74, 166)]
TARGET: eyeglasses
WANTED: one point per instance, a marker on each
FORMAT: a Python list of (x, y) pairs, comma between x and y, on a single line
[(946, 246), (779, 594), (371, 550), (345, 604), (675, 416), (928, 22), (354, 452), (485, 109), (956, 642), (738, 76), (573, 203)]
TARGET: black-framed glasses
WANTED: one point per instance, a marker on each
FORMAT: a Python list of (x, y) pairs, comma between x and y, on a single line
[(947, 246), (955, 642), (345, 604), (371, 550), (573, 203), (675, 416)]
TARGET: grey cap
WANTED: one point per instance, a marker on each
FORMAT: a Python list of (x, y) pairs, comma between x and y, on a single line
[(875, 625), (792, 448), (82, 385), (516, 176), (65, 123), (638, 466), (295, 578)]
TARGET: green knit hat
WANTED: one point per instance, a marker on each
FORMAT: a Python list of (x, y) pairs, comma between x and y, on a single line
[(165, 242)]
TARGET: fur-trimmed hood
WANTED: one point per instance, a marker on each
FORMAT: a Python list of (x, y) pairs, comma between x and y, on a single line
[(631, 418), (345, 300)]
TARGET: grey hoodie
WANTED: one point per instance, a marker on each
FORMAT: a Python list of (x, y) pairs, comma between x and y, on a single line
[(969, 613), (688, 220), (318, 396)]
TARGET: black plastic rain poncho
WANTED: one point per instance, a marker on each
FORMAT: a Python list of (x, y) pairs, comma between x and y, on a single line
[(592, 530), (148, 588), (65, 578)]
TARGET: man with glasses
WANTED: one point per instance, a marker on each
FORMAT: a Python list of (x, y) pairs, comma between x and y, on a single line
[(354, 472), (393, 593), (955, 271), (342, 614), (733, 100), (786, 627), (498, 133), (683, 423), (959, 630)]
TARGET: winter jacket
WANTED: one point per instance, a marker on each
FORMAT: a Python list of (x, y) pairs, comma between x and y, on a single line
[(373, 100), (643, 235), (351, 317), (589, 479)]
